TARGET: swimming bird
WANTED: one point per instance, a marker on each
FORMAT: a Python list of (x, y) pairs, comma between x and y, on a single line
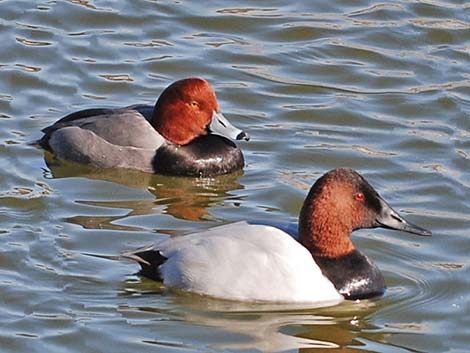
[(184, 134), (252, 262)]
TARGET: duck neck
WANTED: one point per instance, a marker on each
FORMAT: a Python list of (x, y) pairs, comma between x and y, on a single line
[(322, 233)]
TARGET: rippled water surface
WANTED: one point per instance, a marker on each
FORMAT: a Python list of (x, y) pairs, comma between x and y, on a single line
[(382, 87)]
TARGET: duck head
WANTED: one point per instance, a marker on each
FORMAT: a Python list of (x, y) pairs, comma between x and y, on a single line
[(188, 109), (340, 202)]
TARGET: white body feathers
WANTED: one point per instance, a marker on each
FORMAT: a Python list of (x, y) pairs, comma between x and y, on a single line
[(244, 262)]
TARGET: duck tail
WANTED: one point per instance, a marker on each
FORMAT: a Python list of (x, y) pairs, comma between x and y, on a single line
[(149, 260)]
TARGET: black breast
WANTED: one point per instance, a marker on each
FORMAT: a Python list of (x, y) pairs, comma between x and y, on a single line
[(206, 155), (353, 275)]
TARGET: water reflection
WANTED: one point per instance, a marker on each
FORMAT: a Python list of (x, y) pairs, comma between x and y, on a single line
[(182, 197), (264, 327)]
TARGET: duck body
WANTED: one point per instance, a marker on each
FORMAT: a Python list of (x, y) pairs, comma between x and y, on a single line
[(239, 261), (253, 262), (174, 137)]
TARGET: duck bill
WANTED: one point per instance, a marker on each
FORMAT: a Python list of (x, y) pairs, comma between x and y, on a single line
[(389, 218), (221, 126)]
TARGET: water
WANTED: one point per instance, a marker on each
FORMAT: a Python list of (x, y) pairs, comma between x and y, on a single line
[(382, 87)]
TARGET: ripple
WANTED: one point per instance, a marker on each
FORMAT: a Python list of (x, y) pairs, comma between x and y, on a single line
[(85, 3), (252, 11), (441, 24), (22, 67), (19, 192), (6, 97), (377, 8), (91, 32), (440, 87), (167, 344), (117, 77), (153, 43), (450, 266), (94, 97), (370, 151), (32, 43)]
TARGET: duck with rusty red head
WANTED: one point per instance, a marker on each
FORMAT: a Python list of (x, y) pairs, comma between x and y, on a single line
[(255, 262), (183, 134)]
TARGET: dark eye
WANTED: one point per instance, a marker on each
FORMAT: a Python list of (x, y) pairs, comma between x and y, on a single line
[(359, 196)]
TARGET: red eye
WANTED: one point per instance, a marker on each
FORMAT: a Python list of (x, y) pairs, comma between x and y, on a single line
[(359, 196)]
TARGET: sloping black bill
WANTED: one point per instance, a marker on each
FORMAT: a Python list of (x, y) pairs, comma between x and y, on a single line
[(389, 218)]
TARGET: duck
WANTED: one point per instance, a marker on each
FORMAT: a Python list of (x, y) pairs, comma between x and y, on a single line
[(183, 134), (242, 261)]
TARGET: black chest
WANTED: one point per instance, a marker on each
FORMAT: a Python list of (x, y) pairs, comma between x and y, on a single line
[(353, 275), (206, 155)]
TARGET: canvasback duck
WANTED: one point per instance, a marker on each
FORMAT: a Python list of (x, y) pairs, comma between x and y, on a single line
[(184, 134), (249, 262)]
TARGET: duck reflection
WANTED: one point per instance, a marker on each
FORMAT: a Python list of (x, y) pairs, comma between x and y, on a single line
[(191, 198), (185, 198), (258, 326)]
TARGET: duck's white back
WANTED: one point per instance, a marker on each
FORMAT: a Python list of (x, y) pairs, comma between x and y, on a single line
[(245, 262)]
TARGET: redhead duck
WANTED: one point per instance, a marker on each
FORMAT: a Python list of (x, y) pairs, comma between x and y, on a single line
[(184, 134), (249, 262)]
